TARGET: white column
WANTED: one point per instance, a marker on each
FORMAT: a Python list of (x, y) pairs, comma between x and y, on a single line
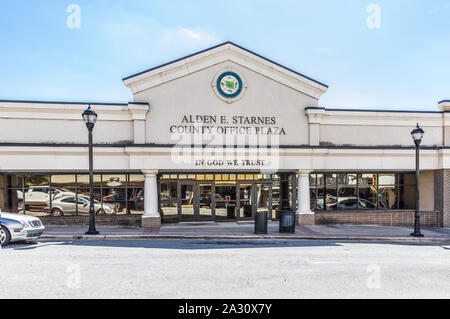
[(150, 193), (151, 217), (305, 215)]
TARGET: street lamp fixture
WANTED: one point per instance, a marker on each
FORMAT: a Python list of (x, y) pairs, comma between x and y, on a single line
[(90, 118), (417, 135)]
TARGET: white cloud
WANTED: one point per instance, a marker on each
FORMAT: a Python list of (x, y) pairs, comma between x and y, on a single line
[(191, 33), (139, 41)]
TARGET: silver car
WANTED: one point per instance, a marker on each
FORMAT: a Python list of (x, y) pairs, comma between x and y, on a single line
[(17, 227), (67, 205)]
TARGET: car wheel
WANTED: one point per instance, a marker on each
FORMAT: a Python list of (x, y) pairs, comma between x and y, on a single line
[(5, 236), (56, 212), (101, 211)]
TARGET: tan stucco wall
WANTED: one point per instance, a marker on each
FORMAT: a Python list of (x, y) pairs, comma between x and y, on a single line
[(366, 135), (63, 131), (193, 95), (426, 187)]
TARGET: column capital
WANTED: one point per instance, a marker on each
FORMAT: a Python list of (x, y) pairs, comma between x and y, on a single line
[(304, 171), (138, 110), (150, 172)]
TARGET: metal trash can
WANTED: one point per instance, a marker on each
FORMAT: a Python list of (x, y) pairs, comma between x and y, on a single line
[(261, 219), (287, 221), (231, 211)]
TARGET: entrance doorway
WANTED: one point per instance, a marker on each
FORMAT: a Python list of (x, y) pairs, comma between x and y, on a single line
[(220, 197)]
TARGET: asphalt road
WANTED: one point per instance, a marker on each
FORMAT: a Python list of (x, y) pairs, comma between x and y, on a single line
[(224, 269)]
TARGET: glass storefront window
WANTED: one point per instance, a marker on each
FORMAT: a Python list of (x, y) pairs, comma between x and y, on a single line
[(407, 197), (68, 194), (11, 193), (331, 199), (312, 180), (36, 195), (347, 198), (330, 179), (275, 198), (313, 198), (114, 181), (363, 191), (387, 197), (320, 198), (168, 201), (367, 198), (367, 179), (386, 179), (82, 203), (135, 192), (320, 179), (407, 179), (83, 180)]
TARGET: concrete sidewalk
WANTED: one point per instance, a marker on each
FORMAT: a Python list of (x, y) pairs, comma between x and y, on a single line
[(246, 231)]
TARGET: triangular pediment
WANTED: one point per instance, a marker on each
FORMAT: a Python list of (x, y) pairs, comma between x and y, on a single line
[(224, 52)]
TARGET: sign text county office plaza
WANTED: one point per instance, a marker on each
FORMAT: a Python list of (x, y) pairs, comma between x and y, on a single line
[(218, 136)]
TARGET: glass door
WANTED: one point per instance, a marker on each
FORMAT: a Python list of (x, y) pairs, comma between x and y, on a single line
[(206, 194), (187, 202), (225, 202), (263, 198), (246, 202)]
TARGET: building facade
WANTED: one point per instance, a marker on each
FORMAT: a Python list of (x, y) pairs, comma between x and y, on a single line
[(218, 136)]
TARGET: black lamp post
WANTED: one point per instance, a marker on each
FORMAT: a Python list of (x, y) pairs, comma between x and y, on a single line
[(417, 135), (90, 117)]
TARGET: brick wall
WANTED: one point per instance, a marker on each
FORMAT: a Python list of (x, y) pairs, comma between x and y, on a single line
[(442, 196), (382, 218), (111, 220)]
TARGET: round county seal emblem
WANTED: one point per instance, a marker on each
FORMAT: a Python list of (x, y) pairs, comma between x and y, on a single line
[(229, 85)]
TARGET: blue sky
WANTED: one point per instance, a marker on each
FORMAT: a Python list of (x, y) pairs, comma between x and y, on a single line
[(405, 64)]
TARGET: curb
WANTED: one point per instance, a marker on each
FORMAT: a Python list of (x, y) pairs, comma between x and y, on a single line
[(236, 237)]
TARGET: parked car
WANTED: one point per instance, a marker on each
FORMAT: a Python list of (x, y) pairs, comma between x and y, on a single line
[(37, 196), (350, 203), (67, 205), (137, 202), (116, 198), (19, 228)]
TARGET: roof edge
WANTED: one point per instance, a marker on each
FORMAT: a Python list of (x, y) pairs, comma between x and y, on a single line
[(370, 110), (70, 103), (220, 45)]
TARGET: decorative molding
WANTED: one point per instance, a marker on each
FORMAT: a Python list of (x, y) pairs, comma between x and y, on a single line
[(219, 54), (138, 110), (150, 172)]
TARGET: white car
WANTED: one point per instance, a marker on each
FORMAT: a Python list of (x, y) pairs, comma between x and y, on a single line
[(16, 227), (37, 196), (67, 205)]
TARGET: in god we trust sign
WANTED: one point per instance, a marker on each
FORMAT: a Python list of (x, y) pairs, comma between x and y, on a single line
[(229, 85)]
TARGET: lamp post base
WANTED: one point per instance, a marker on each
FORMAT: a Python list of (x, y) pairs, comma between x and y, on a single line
[(92, 232), (417, 234)]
